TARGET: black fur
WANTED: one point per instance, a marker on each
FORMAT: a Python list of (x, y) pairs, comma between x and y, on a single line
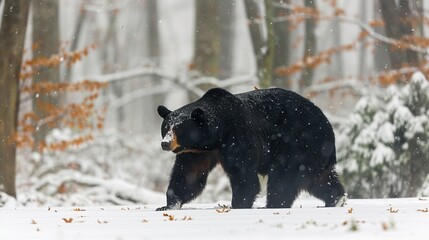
[(273, 132)]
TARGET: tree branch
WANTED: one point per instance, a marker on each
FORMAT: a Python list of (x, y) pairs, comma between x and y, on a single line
[(133, 73), (365, 27), (116, 187), (337, 84), (189, 85), (356, 84)]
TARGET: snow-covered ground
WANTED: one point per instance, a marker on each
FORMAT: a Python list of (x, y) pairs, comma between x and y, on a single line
[(406, 218)]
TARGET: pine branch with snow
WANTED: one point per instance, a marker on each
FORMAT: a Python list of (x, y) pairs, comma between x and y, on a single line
[(382, 149)]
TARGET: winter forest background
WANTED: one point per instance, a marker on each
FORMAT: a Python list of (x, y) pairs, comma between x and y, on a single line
[(80, 81)]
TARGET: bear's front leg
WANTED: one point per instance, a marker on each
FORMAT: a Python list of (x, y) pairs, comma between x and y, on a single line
[(241, 167), (188, 178), (245, 186)]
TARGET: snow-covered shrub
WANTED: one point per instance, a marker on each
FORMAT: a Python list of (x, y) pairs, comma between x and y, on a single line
[(7, 201), (113, 168), (383, 149)]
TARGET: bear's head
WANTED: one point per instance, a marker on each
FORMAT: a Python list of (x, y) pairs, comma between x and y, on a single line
[(188, 129)]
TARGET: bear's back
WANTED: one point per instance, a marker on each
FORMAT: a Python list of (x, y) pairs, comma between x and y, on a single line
[(278, 112), (279, 103), (273, 96), (268, 111)]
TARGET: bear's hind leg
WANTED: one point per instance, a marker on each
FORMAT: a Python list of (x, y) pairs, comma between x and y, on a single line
[(282, 190), (328, 188)]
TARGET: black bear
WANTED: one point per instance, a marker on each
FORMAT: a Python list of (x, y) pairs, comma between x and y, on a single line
[(271, 132)]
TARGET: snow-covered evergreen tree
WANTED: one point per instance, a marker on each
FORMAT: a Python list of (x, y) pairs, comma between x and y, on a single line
[(383, 148)]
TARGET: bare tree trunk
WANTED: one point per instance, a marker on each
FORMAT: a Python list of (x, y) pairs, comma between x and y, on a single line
[(418, 165), (46, 37), (153, 31), (109, 52), (75, 39), (392, 27), (256, 28), (226, 11), (407, 29), (207, 44), (268, 64), (282, 42), (110, 55), (309, 44), (417, 8), (362, 50), (263, 47), (154, 55), (381, 56), (12, 35), (337, 58), (397, 25)]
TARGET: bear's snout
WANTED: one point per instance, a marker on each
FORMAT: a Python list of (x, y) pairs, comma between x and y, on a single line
[(165, 146), (169, 142)]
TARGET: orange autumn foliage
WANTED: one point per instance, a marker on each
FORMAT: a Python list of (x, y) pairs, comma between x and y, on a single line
[(368, 37), (81, 115)]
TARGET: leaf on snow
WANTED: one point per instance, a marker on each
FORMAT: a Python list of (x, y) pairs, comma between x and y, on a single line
[(68, 220)]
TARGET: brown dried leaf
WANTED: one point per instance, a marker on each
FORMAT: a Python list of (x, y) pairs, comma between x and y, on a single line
[(62, 188), (425, 210), (392, 210), (78, 209), (384, 226), (68, 220)]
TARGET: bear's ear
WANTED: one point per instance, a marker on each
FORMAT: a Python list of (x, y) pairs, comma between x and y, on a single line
[(163, 111), (198, 115)]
